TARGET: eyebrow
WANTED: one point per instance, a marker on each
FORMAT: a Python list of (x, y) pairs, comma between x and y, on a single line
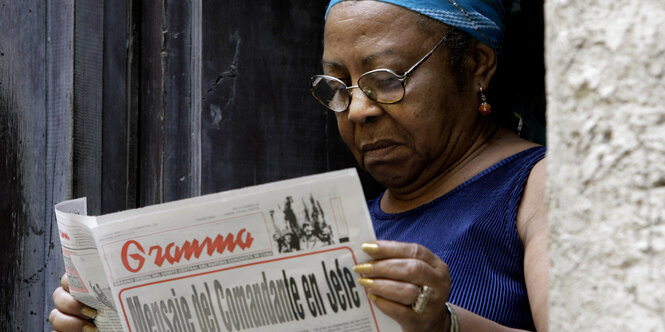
[(365, 61), (368, 59), (333, 64)]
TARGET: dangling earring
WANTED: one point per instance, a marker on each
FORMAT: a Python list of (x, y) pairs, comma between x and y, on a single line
[(484, 108)]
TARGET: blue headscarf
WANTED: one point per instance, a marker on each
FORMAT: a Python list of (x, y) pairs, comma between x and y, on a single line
[(482, 19)]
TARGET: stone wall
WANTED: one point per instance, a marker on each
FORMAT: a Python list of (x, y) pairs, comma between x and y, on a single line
[(606, 164)]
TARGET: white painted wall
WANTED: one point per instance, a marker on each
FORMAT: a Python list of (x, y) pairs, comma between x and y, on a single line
[(606, 164)]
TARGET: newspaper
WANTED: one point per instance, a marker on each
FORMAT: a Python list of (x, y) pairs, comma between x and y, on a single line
[(274, 257)]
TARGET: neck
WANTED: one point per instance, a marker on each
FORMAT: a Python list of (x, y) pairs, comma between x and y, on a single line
[(481, 153)]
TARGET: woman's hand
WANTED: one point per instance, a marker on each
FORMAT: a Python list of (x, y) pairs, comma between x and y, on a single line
[(70, 315), (395, 278)]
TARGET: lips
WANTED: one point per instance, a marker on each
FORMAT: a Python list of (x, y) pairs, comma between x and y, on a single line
[(378, 145), (377, 151)]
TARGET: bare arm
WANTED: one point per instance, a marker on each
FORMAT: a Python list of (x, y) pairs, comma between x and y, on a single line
[(532, 228)]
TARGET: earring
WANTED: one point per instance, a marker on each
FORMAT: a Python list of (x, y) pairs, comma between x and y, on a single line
[(484, 108)]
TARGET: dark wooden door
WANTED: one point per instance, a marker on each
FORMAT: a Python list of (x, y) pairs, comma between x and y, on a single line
[(137, 102)]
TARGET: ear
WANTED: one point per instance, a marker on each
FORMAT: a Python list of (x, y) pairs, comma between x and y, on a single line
[(482, 64)]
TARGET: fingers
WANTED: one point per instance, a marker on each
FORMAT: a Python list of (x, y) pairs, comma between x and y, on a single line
[(70, 315), (394, 280), (399, 292), (67, 304), (64, 282), (432, 319), (393, 249), (402, 269), (66, 323), (395, 310), (409, 262), (404, 293)]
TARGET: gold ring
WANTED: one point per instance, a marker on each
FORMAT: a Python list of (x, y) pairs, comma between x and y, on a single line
[(420, 303)]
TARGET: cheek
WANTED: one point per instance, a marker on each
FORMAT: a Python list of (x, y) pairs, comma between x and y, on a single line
[(345, 128)]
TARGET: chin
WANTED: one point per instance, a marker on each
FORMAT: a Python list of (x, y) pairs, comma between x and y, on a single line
[(390, 177)]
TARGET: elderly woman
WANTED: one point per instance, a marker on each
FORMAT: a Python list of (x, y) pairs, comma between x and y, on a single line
[(464, 206), (407, 82)]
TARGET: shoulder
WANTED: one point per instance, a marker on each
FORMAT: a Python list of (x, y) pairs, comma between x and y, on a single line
[(532, 210), (507, 144)]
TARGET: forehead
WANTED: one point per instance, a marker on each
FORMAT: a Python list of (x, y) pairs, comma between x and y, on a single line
[(372, 26)]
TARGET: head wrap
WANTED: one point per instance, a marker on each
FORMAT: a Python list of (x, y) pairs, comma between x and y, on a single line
[(482, 19)]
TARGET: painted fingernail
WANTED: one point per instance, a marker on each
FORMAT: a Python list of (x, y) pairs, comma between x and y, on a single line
[(88, 312), (366, 282), (90, 328), (371, 296), (370, 248), (363, 268)]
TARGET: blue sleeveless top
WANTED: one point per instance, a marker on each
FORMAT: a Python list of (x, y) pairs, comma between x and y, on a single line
[(473, 229)]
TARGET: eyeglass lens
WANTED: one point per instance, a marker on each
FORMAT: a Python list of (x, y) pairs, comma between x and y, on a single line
[(382, 86), (331, 92)]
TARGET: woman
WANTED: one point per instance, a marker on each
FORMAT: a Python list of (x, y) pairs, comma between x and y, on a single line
[(457, 183)]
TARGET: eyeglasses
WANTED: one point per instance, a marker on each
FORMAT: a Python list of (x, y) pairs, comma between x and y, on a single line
[(380, 85)]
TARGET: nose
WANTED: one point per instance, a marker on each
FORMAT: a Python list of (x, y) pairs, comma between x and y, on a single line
[(361, 108)]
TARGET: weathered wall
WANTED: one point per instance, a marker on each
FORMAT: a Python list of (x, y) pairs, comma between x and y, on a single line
[(606, 163)]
